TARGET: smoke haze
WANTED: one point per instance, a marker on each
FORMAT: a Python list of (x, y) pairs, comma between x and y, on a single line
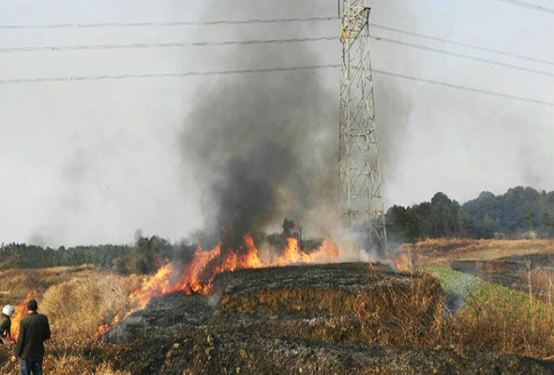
[(91, 162)]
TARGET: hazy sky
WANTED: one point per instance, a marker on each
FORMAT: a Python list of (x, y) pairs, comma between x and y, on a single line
[(91, 162)]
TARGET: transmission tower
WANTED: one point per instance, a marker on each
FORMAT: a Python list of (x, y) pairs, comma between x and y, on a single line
[(360, 185)]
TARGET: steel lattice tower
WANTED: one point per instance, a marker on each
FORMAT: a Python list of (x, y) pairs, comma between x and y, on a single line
[(360, 185)]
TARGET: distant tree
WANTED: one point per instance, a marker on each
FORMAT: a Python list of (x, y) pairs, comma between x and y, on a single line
[(487, 227), (547, 224), (412, 227), (141, 267), (288, 226), (464, 223), (120, 266)]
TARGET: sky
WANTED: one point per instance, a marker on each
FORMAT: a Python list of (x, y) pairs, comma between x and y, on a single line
[(92, 162)]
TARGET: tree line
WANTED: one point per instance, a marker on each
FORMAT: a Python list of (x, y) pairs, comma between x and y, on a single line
[(519, 213), (145, 256)]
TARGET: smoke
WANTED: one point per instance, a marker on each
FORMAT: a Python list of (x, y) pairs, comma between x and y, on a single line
[(263, 147)]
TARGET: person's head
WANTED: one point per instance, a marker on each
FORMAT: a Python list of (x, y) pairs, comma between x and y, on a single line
[(8, 310), (32, 305)]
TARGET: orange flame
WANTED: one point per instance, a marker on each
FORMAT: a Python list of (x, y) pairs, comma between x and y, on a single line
[(293, 254), (198, 275), (20, 313)]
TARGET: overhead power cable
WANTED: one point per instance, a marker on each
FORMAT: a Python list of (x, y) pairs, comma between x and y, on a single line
[(522, 4), (463, 56), (460, 44), (269, 70), (168, 24), (165, 75), (164, 45), (255, 42), (466, 88)]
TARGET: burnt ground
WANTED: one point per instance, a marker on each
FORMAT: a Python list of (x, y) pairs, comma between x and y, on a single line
[(298, 319)]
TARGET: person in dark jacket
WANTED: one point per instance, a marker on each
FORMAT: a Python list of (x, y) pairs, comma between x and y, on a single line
[(6, 323), (33, 332)]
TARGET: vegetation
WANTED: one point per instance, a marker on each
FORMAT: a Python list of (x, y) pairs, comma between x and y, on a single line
[(75, 306), (497, 319), (443, 250), (15, 284), (486, 318), (145, 256), (520, 213)]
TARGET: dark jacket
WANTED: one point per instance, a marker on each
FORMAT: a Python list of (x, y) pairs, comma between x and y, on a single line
[(5, 326), (34, 331)]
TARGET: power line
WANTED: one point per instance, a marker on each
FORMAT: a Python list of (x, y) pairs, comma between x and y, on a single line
[(164, 75), (269, 70), (163, 45), (528, 6), (168, 24), (466, 88), (255, 42), (460, 44), (463, 56)]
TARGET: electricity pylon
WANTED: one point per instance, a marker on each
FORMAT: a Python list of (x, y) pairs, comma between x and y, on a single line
[(360, 185)]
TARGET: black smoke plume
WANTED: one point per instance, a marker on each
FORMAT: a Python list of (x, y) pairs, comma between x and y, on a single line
[(265, 146)]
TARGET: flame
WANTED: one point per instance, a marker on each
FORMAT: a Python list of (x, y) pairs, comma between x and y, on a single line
[(293, 254), (20, 313), (197, 276), (328, 253), (154, 286)]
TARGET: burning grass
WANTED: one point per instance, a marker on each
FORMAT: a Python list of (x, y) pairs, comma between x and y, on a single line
[(197, 276), (334, 304)]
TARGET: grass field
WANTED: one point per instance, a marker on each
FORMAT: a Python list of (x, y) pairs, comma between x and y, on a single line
[(15, 284), (484, 316), (441, 251)]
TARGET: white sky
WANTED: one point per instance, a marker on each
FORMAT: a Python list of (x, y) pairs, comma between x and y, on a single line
[(91, 162)]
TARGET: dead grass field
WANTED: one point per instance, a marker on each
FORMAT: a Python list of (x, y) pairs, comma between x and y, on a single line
[(15, 284), (441, 251), (493, 319), (77, 300)]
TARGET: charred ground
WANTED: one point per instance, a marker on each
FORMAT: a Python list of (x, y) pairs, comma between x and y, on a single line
[(317, 319)]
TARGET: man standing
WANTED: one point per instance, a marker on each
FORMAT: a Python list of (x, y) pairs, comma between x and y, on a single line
[(6, 323), (34, 331)]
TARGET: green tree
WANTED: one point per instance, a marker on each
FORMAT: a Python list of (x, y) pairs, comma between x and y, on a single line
[(464, 223)]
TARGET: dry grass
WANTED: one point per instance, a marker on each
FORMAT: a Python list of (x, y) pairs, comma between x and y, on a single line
[(15, 284), (76, 309), (412, 317), (290, 301), (404, 262), (413, 314), (507, 322), (498, 319), (444, 250), (72, 364)]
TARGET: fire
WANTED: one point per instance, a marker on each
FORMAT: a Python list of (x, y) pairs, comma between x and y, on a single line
[(197, 276), (20, 313), (293, 254), (155, 286)]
